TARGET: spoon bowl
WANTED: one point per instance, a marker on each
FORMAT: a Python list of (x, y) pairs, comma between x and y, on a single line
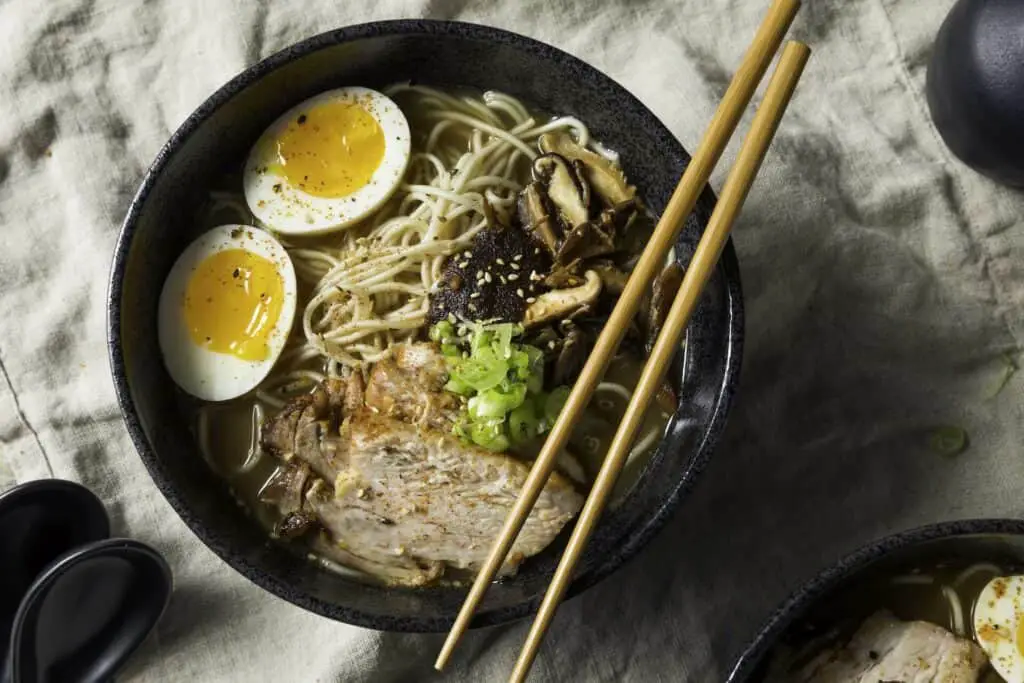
[(88, 612), (39, 522)]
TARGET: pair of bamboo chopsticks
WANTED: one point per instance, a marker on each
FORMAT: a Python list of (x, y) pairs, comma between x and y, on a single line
[(723, 124)]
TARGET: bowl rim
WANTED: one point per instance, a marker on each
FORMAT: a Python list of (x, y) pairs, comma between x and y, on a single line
[(809, 592), (725, 392)]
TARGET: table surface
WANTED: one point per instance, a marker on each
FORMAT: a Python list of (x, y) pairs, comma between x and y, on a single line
[(885, 297)]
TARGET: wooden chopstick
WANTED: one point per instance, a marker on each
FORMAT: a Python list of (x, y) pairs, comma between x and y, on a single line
[(755, 62), (699, 271)]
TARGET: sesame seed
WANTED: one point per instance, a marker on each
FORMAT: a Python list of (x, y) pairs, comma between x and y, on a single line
[(479, 274), (536, 250), (472, 307), (513, 277), (551, 344), (503, 280), (517, 257), (515, 266), (463, 264), (487, 277), (520, 293), (533, 275), (474, 295), (467, 253), (499, 261), (530, 300)]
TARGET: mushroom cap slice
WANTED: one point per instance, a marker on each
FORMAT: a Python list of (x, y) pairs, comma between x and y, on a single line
[(571, 357), (605, 177), (666, 285), (612, 277), (536, 218), (563, 189), (560, 303), (585, 241)]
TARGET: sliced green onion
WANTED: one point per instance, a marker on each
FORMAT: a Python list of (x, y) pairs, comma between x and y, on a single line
[(555, 402), (523, 423), (481, 339), (489, 434), (535, 372), (482, 370), (460, 388), (497, 403), (520, 362), (443, 330), (503, 338), (503, 381), (948, 440)]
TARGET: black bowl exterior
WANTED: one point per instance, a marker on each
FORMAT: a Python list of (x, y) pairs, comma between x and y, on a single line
[(223, 128), (982, 540), (88, 612)]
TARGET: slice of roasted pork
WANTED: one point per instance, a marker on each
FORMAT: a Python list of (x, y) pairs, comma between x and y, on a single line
[(885, 648), (304, 423), (412, 491), (393, 493), (408, 384)]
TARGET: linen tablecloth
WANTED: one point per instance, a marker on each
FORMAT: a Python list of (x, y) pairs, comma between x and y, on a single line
[(884, 286)]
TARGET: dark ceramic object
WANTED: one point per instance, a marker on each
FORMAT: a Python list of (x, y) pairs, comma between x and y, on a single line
[(87, 613), (975, 86), (982, 540), (223, 128), (39, 522)]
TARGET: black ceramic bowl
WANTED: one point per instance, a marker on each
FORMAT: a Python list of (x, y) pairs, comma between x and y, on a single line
[(999, 541), (221, 131)]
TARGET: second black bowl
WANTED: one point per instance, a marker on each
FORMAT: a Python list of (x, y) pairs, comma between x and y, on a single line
[(223, 128), (990, 541)]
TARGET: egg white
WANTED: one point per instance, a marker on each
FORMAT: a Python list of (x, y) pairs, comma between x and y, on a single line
[(292, 211), (207, 374), (998, 614)]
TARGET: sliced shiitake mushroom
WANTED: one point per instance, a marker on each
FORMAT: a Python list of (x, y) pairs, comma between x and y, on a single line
[(537, 219), (613, 278), (598, 237), (579, 172), (571, 357), (662, 295), (586, 241), (563, 303), (605, 177), (563, 189), (565, 275), (620, 216)]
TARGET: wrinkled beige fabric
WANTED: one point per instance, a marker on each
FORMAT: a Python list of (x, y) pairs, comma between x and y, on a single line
[(884, 285)]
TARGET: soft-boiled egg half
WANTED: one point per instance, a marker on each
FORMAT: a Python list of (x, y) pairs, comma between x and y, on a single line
[(225, 311), (999, 626), (327, 162)]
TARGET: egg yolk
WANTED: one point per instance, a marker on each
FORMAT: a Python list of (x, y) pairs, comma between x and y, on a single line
[(232, 303), (331, 150)]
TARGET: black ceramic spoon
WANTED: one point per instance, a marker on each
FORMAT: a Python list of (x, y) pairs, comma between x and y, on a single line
[(39, 522), (86, 614)]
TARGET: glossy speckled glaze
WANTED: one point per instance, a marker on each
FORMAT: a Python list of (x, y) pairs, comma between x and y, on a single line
[(989, 540), (220, 132)]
